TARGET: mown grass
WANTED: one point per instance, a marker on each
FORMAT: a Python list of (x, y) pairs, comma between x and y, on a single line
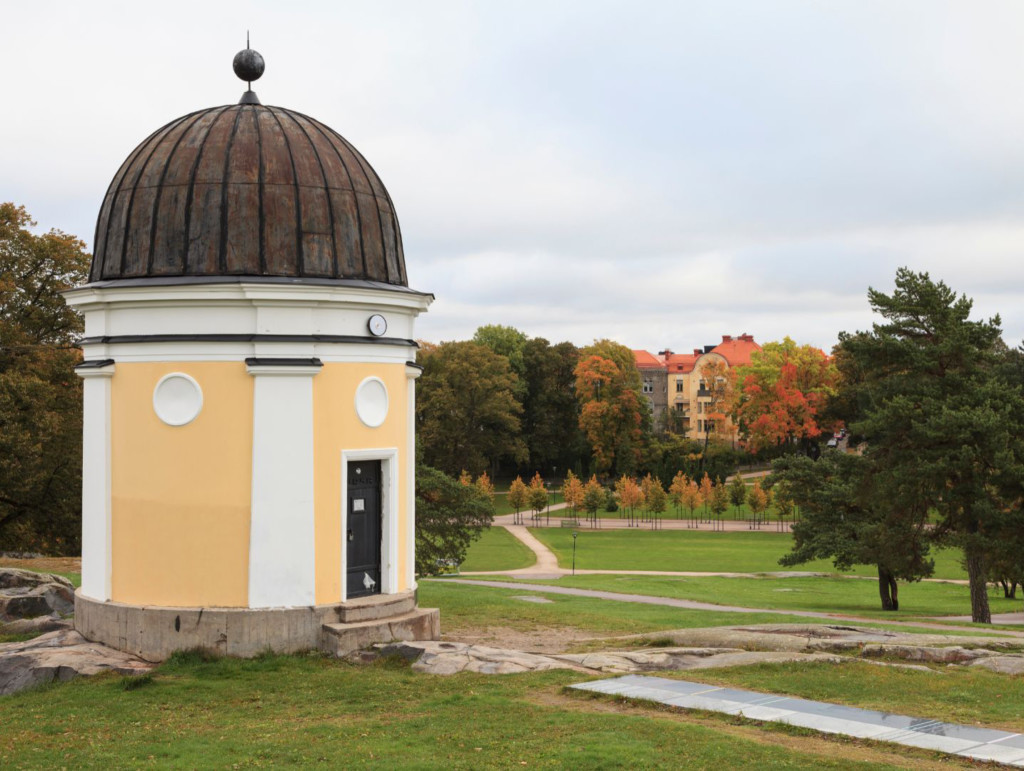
[(474, 607), (307, 711), (497, 549), (852, 596), (698, 551), (966, 695)]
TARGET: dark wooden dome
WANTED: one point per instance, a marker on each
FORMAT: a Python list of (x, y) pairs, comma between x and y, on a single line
[(247, 190)]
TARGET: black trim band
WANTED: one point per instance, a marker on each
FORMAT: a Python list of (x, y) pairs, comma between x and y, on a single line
[(255, 338), (254, 361), (95, 364)]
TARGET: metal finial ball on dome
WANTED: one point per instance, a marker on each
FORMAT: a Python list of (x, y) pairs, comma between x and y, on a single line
[(248, 64)]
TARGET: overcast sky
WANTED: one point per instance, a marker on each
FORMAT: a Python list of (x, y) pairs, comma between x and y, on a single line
[(660, 173)]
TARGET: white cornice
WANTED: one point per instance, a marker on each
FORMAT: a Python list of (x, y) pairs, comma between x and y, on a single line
[(356, 297)]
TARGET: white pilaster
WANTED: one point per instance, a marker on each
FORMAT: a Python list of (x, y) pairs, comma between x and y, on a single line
[(282, 538), (411, 372), (96, 527)]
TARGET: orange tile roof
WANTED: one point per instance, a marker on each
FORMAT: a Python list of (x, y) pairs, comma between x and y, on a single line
[(647, 360), (681, 362), (737, 350)]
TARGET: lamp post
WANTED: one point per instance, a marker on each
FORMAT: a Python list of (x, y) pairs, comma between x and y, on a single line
[(574, 552)]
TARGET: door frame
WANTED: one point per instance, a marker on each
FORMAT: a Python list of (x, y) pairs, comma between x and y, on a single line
[(388, 457)]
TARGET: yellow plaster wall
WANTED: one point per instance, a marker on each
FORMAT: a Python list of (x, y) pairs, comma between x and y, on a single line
[(336, 427), (181, 494)]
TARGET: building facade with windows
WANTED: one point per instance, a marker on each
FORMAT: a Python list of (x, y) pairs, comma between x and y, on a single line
[(692, 387)]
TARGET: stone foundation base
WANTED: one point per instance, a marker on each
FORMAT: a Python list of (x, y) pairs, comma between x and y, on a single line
[(154, 633)]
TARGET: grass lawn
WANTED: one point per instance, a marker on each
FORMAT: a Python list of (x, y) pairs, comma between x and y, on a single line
[(473, 607), (497, 549), (851, 596), (696, 550), (305, 711)]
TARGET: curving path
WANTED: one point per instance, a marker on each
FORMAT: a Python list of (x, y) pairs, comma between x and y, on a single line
[(546, 567)]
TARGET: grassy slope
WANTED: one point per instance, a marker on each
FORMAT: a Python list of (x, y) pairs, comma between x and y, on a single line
[(700, 551), (497, 549), (311, 711)]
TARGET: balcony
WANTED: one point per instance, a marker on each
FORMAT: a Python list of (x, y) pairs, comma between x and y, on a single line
[(704, 392)]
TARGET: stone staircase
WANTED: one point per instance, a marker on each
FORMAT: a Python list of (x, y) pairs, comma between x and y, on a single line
[(378, 618)]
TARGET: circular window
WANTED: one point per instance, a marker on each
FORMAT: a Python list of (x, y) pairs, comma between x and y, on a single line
[(372, 401), (177, 399)]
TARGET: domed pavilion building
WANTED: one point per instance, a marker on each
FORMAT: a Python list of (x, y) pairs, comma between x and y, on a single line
[(248, 477)]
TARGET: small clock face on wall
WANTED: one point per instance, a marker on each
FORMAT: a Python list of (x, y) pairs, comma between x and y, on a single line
[(377, 325)]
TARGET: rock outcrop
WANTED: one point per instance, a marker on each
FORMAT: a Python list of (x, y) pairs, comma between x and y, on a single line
[(28, 595), (60, 655)]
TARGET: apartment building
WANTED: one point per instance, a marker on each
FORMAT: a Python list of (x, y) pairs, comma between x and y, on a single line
[(680, 388)]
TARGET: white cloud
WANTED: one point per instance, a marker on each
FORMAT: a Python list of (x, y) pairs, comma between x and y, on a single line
[(659, 173)]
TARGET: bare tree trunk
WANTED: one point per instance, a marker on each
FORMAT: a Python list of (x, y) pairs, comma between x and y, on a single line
[(975, 559)]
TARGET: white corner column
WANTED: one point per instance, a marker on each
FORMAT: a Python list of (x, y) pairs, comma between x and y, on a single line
[(96, 524), (412, 371), (282, 539)]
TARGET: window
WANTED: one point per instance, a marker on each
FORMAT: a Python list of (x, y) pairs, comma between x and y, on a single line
[(679, 386), (648, 387)]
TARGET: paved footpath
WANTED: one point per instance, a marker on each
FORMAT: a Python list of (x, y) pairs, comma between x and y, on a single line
[(675, 602), (967, 741)]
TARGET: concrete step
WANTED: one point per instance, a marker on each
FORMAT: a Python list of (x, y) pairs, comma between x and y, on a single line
[(418, 624), (376, 607)]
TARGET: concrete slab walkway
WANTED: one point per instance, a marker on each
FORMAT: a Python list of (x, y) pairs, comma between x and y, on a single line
[(967, 741)]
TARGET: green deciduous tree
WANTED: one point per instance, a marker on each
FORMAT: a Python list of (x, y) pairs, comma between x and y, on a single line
[(551, 414), (719, 499), (449, 517), (737, 491), (466, 409), (40, 396)]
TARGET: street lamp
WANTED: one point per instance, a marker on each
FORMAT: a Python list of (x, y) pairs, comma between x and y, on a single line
[(574, 552)]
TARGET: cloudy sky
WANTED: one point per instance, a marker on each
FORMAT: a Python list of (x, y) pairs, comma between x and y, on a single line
[(660, 173)]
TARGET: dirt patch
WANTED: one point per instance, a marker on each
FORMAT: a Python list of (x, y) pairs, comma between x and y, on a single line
[(821, 745), (45, 564), (538, 640)]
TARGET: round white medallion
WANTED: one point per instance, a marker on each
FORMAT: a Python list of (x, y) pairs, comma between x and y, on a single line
[(177, 399), (372, 401)]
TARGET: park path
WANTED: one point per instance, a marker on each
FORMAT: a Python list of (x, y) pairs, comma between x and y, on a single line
[(546, 567), (674, 602)]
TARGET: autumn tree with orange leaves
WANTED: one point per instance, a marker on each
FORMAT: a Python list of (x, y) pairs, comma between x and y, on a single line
[(779, 397), (613, 414)]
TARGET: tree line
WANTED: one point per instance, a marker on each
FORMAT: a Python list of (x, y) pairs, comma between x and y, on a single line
[(933, 402)]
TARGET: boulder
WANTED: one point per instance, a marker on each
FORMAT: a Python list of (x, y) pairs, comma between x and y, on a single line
[(1004, 665), (24, 594), (952, 654), (61, 655)]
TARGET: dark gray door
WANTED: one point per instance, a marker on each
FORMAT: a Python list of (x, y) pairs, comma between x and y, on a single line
[(364, 528)]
